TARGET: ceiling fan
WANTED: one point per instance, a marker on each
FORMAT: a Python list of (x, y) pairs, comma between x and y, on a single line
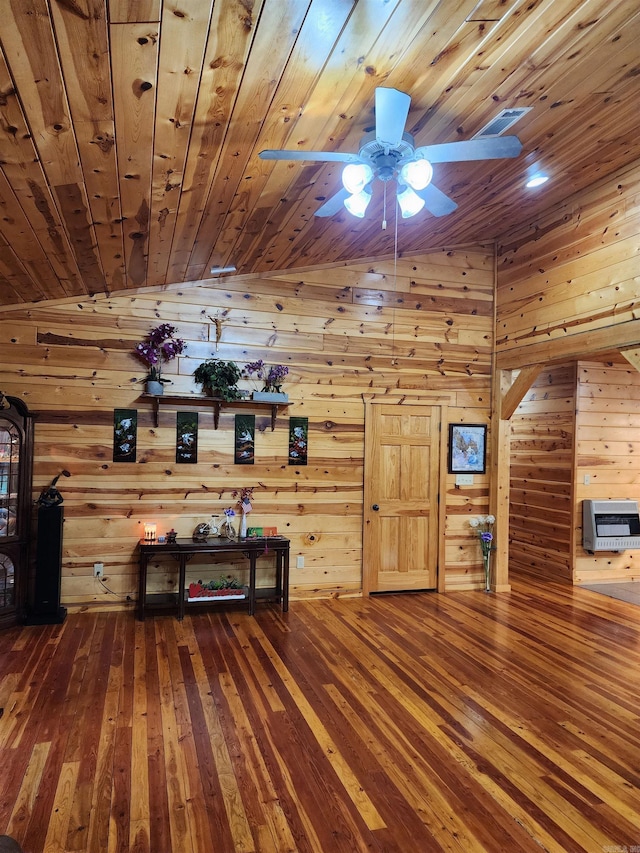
[(388, 152)]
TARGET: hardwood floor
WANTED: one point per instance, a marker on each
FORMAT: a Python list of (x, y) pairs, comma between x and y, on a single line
[(465, 722)]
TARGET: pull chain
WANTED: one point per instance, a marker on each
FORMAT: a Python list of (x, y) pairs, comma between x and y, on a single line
[(384, 208)]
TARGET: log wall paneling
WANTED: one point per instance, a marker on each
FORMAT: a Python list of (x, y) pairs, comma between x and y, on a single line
[(607, 414), (571, 271), (566, 289), (423, 329), (541, 497)]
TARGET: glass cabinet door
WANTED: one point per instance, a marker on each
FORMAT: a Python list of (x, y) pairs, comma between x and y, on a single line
[(16, 451), (9, 483)]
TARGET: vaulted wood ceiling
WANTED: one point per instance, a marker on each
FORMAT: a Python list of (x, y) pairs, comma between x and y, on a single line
[(130, 129)]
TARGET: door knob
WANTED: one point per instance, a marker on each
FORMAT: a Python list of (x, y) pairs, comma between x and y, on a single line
[(375, 507)]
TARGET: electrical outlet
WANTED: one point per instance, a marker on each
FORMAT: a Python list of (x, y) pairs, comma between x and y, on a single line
[(98, 570), (300, 563)]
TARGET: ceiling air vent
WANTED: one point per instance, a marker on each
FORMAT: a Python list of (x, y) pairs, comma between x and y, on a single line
[(503, 121)]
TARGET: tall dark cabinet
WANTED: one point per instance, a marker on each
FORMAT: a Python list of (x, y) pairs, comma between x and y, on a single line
[(44, 604), (16, 467)]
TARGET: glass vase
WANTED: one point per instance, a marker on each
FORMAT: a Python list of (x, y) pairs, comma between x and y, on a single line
[(486, 559)]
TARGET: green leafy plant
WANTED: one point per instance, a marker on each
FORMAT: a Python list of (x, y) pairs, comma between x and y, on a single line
[(224, 582), (219, 378)]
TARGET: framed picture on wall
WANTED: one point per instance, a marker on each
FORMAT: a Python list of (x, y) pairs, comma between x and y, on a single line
[(245, 437), (467, 448), (186, 437), (125, 435)]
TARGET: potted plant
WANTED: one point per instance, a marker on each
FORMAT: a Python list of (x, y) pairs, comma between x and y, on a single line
[(219, 378), (271, 379), (161, 345)]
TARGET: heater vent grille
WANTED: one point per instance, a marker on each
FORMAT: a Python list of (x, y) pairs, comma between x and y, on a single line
[(502, 122)]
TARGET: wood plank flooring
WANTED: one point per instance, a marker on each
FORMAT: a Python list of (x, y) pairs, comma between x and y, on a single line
[(408, 723)]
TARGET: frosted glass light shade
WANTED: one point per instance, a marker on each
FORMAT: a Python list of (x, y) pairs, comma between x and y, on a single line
[(417, 173), (355, 177), (409, 202), (357, 203)]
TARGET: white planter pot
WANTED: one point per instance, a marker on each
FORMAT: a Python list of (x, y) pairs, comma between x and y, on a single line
[(270, 397), (155, 388)]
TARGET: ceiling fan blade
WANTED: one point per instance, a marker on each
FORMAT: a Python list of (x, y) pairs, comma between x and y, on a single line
[(392, 109), (436, 202), (334, 204), (328, 156), (491, 148)]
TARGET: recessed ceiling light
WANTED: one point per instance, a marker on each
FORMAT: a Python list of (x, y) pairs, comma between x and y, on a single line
[(537, 181)]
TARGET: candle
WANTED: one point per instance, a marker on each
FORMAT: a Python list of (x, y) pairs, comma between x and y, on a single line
[(149, 531)]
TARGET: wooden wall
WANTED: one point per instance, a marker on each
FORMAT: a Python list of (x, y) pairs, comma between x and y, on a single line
[(425, 330), (541, 517), (607, 459), (572, 438), (572, 273), (567, 288)]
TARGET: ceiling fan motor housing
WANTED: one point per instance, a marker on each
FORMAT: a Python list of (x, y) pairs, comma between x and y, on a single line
[(382, 159)]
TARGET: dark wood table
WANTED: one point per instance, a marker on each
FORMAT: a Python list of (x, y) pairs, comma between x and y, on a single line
[(182, 550)]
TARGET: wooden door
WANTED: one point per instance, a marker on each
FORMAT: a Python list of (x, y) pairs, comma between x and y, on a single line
[(402, 453)]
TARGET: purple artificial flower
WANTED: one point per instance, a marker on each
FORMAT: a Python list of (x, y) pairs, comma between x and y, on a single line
[(161, 345), (272, 378)]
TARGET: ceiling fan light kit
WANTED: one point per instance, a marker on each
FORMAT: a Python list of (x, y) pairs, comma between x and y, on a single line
[(409, 201), (357, 203), (389, 153), (356, 176), (417, 173)]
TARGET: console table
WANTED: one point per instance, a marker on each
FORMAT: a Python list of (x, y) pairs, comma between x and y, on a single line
[(182, 550)]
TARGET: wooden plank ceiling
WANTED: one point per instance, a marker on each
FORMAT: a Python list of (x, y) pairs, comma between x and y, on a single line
[(130, 129)]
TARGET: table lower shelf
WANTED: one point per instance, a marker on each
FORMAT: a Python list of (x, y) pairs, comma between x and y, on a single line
[(168, 601)]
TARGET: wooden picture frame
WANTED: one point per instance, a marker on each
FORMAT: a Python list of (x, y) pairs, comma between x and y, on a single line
[(467, 448)]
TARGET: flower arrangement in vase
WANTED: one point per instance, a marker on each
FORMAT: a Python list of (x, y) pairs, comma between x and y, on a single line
[(161, 345), (227, 530), (271, 379), (244, 496), (483, 526)]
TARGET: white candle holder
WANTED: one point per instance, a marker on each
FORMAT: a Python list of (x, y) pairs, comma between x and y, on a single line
[(149, 531)]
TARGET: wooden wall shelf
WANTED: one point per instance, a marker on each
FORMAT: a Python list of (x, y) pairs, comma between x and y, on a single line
[(170, 400)]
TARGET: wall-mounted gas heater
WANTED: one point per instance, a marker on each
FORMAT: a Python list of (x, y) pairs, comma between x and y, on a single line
[(610, 525)]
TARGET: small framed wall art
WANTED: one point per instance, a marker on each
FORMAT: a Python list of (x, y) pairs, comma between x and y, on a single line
[(245, 436), (467, 448), (187, 437), (125, 435), (298, 440)]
